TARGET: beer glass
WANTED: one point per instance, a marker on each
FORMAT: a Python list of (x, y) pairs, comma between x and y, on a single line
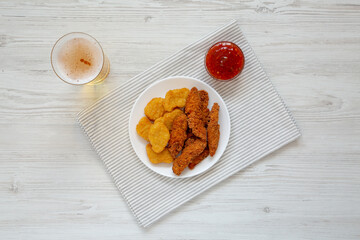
[(78, 58)]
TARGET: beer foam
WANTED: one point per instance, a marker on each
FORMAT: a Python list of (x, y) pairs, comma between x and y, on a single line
[(79, 60)]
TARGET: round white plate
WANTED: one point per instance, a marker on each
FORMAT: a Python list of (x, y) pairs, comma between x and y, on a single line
[(159, 89)]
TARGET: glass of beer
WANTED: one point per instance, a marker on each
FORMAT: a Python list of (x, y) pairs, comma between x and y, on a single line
[(78, 58)]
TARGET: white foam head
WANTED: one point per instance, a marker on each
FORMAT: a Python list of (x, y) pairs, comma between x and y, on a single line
[(77, 58)]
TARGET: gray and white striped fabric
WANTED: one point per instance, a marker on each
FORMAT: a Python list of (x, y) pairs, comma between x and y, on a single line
[(260, 124)]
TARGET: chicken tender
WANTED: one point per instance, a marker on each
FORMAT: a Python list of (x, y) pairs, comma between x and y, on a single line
[(194, 113), (143, 128), (175, 98), (162, 157), (158, 136), (189, 139), (155, 108), (188, 154), (193, 101), (213, 129), (199, 158), (204, 99), (178, 135), (197, 125), (169, 117)]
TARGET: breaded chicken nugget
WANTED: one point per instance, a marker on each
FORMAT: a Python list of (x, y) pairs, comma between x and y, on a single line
[(175, 98), (155, 108), (143, 127), (158, 136), (162, 157), (169, 117)]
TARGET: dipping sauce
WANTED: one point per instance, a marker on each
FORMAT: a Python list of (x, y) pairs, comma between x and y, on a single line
[(224, 60)]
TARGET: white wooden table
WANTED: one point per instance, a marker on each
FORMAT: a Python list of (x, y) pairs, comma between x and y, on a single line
[(53, 186)]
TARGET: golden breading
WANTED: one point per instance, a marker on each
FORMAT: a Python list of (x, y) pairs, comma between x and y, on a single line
[(175, 98), (162, 157), (195, 114), (199, 158), (159, 136), (155, 108), (193, 101), (188, 154), (178, 135), (213, 129), (189, 141), (143, 127), (204, 98), (169, 117)]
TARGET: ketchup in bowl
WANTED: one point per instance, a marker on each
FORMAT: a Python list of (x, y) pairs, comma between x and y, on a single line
[(224, 60)]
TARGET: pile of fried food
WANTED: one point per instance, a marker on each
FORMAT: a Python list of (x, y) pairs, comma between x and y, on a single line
[(180, 128)]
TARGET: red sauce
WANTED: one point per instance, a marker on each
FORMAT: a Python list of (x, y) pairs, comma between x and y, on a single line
[(224, 60)]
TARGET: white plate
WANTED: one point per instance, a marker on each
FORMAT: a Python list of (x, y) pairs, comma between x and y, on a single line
[(159, 89)]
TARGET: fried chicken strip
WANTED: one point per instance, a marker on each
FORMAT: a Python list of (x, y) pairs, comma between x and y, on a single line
[(213, 129), (204, 101), (192, 101), (178, 135), (199, 158), (190, 139), (188, 154), (194, 113)]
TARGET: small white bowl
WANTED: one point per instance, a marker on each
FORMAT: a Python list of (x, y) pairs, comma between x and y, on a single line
[(159, 89)]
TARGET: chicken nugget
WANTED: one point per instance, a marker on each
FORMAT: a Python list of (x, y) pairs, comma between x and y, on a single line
[(143, 127), (158, 136), (175, 98), (169, 117), (155, 108), (162, 157), (188, 154), (213, 129), (178, 135)]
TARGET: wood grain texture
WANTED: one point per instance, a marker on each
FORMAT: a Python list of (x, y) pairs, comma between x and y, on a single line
[(53, 186)]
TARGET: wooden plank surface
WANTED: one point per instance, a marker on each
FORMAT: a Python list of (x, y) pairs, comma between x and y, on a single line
[(53, 186)]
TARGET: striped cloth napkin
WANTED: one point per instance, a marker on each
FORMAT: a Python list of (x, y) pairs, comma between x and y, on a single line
[(260, 124)]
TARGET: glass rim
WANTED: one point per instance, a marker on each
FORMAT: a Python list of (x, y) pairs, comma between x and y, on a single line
[(81, 33), (207, 70)]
